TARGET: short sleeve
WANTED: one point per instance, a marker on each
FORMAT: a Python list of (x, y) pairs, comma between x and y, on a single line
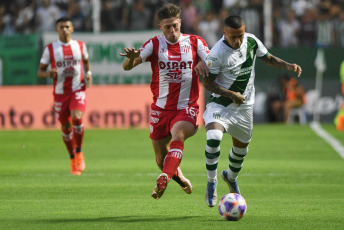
[(202, 48), (213, 63), (146, 50), (262, 50), (45, 59)]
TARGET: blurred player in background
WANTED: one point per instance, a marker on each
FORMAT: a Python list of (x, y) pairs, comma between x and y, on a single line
[(339, 119), (175, 88), (230, 109), (68, 59)]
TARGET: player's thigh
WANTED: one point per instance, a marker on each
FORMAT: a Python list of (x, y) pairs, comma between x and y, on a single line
[(216, 117), (78, 104), (61, 108), (184, 123), (241, 125)]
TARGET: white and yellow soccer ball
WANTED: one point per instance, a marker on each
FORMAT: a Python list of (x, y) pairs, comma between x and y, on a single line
[(232, 207)]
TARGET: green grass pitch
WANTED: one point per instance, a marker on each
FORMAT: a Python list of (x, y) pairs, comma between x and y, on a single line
[(291, 179)]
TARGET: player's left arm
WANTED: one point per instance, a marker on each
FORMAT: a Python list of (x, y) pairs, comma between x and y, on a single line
[(276, 62), (87, 67)]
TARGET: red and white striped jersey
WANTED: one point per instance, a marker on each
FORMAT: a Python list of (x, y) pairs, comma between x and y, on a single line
[(67, 58), (174, 84)]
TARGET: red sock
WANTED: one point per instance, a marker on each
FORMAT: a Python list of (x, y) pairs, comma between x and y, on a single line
[(78, 132), (173, 158), (67, 136)]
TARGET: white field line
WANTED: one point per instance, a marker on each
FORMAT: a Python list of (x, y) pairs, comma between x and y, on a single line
[(336, 145)]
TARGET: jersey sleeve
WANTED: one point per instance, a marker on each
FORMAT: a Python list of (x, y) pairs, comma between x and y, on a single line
[(262, 50), (85, 52), (146, 50), (45, 59), (202, 48), (213, 63)]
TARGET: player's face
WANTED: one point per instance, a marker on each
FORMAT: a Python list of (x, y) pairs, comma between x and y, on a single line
[(65, 30), (171, 28), (234, 37)]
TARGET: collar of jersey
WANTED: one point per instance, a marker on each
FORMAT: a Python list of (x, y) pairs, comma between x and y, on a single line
[(181, 35)]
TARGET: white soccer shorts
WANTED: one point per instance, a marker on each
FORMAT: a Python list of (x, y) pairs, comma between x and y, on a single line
[(238, 122)]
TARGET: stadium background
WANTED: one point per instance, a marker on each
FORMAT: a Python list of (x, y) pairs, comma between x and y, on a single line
[(292, 30)]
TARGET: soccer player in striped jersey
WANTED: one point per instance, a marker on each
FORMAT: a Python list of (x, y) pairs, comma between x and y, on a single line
[(231, 65), (68, 59), (175, 64)]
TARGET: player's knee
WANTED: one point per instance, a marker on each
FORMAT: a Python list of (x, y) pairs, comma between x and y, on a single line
[(214, 137)]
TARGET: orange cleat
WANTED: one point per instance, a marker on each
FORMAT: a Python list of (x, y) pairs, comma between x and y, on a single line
[(79, 161), (73, 169), (161, 185)]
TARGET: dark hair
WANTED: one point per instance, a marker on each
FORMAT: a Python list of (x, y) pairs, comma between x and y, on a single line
[(169, 10), (63, 19), (234, 21)]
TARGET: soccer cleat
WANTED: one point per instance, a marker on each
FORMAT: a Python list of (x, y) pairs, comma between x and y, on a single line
[(183, 182), (233, 186), (73, 169), (161, 185), (211, 194), (79, 161)]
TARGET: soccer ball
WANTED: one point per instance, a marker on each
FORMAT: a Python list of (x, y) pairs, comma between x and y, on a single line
[(232, 206)]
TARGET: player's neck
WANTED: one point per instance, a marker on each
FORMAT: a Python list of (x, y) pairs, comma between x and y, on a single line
[(65, 39)]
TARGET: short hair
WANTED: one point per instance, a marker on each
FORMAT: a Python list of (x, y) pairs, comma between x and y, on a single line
[(234, 21), (169, 10), (63, 19)]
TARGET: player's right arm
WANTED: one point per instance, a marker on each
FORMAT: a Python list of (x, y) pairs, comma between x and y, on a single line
[(43, 66), (43, 73), (210, 84), (133, 58)]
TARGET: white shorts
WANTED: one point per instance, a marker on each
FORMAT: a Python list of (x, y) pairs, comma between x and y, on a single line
[(238, 122)]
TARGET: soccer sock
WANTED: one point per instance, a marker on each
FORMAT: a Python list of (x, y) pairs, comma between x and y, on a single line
[(78, 129), (236, 159), (173, 158), (212, 153), (67, 136)]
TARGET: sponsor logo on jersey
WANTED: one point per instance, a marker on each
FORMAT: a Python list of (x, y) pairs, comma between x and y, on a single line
[(174, 77), (240, 72), (67, 63), (175, 65)]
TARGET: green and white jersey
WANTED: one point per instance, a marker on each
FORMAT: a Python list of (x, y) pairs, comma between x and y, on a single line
[(234, 68)]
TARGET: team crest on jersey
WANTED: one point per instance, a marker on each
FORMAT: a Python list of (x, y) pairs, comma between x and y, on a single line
[(186, 48), (209, 63)]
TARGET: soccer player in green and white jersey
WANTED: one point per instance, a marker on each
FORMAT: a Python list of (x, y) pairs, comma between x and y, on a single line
[(230, 109)]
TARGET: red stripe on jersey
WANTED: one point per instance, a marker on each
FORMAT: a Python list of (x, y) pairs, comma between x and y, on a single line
[(52, 61), (174, 54), (68, 55), (194, 92), (81, 44), (154, 59)]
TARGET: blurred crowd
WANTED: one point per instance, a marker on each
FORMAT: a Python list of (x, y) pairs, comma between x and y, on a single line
[(295, 22)]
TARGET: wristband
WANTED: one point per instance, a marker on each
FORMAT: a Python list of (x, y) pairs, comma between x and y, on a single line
[(89, 72)]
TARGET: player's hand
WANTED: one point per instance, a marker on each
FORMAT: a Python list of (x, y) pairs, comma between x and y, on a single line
[(130, 53), (238, 98), (53, 73), (201, 69), (89, 80), (296, 68)]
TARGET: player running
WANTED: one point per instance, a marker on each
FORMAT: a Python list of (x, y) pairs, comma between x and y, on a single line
[(175, 88), (230, 109), (68, 58)]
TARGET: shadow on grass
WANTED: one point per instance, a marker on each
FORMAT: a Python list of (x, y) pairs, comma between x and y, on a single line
[(119, 219)]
